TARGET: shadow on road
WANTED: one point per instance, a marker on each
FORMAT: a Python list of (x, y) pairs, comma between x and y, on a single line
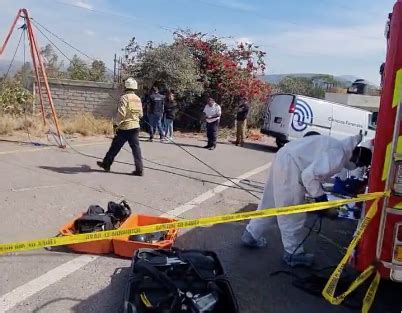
[(187, 145), (70, 169), (78, 169), (28, 143), (109, 299), (250, 185), (260, 147), (257, 146)]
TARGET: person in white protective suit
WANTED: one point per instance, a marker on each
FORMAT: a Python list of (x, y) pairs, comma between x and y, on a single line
[(301, 167)]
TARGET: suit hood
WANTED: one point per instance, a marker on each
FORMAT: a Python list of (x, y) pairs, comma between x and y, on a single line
[(350, 143)]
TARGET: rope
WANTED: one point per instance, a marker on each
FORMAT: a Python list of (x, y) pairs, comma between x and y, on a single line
[(37, 25), (172, 141), (12, 60)]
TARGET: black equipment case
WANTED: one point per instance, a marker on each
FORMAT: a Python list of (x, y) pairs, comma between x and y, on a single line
[(178, 281)]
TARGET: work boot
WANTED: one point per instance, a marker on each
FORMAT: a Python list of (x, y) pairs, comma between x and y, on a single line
[(300, 259), (138, 173), (250, 242), (103, 165)]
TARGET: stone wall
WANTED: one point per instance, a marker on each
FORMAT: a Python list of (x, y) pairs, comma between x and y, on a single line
[(75, 97)]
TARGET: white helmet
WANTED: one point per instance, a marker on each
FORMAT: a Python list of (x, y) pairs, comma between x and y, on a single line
[(131, 83)]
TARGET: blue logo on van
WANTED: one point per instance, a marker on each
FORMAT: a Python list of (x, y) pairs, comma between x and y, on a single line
[(302, 117)]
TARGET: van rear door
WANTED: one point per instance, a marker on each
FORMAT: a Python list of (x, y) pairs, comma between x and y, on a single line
[(278, 115)]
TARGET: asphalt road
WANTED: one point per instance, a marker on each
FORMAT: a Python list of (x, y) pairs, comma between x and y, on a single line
[(41, 188)]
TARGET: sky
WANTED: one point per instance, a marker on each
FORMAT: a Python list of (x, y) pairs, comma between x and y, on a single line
[(338, 37)]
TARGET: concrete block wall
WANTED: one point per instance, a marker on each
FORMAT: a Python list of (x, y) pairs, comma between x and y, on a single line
[(76, 97)]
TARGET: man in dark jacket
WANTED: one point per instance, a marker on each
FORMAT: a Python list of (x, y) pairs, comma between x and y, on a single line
[(170, 112), (241, 119), (155, 113), (127, 126)]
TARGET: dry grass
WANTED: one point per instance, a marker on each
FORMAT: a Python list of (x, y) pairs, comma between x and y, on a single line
[(86, 125), (226, 133), (83, 124), (7, 125)]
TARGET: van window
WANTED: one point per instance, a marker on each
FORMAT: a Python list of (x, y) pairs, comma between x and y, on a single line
[(372, 122)]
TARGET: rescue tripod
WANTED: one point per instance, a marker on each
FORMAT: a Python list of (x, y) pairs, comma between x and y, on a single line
[(41, 80)]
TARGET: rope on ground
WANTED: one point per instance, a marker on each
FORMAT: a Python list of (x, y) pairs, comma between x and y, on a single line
[(171, 140)]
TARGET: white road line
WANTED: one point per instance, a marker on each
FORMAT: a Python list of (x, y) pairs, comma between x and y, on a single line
[(11, 299), (37, 187), (212, 192), (21, 293)]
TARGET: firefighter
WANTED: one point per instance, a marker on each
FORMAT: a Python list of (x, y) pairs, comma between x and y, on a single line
[(127, 128)]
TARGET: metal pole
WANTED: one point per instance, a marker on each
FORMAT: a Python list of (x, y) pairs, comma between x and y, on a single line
[(114, 68), (10, 32), (42, 68), (35, 66)]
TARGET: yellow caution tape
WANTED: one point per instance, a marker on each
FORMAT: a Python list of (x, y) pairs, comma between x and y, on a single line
[(370, 295), (330, 287), (205, 221)]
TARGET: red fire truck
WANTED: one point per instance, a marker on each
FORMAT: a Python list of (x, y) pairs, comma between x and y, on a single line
[(382, 241)]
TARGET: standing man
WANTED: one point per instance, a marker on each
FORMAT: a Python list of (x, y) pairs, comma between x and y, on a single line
[(156, 110), (170, 112), (241, 119), (212, 115), (301, 167), (127, 128)]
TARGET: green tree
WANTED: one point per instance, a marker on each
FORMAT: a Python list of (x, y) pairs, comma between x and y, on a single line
[(97, 71), (301, 86), (78, 69), (168, 65), (24, 74), (51, 61), (14, 99)]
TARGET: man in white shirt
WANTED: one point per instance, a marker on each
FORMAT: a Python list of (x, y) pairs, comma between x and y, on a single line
[(212, 115)]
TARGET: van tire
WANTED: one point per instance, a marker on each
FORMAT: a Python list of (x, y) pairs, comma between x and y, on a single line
[(280, 143), (311, 133)]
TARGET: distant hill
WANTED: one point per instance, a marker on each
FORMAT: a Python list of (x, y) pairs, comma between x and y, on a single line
[(4, 64), (276, 78), (348, 77)]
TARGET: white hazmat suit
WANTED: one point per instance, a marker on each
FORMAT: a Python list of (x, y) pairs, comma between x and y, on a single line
[(300, 167)]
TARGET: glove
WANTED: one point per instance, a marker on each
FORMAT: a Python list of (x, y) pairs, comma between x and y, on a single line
[(331, 213), (322, 198)]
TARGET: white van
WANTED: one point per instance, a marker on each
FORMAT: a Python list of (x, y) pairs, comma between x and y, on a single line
[(288, 117)]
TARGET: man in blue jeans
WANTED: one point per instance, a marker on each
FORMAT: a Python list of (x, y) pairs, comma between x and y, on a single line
[(155, 113), (170, 112)]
